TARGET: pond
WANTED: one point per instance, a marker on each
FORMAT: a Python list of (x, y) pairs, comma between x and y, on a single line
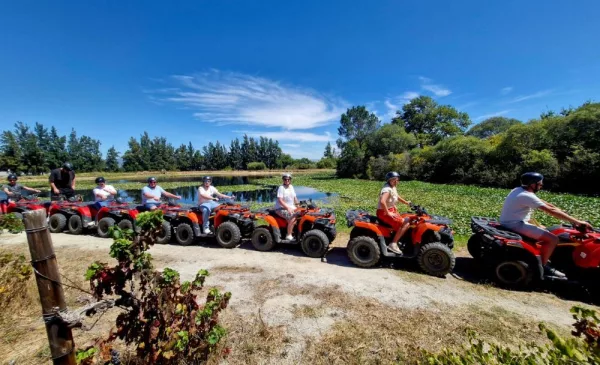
[(189, 194)]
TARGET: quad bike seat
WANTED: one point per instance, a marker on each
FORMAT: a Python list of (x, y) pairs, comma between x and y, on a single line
[(492, 227), (141, 208)]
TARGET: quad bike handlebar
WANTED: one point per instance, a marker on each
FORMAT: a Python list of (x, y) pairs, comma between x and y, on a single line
[(418, 209)]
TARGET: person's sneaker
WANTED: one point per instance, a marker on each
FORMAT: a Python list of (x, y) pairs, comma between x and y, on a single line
[(550, 271), (206, 231), (289, 238)]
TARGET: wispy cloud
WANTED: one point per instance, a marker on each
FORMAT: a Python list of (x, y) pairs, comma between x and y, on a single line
[(394, 104), (287, 136), (290, 145), (491, 115), (436, 89), (506, 90), (539, 94), (467, 105), (234, 98)]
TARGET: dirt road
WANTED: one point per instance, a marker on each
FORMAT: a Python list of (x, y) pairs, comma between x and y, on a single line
[(308, 298)]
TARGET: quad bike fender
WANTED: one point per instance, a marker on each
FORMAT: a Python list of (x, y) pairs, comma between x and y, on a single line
[(587, 255), (369, 227), (420, 229), (86, 216), (306, 221), (272, 222)]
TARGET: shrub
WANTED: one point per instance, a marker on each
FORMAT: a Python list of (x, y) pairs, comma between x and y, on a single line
[(256, 166), (327, 163), (583, 348), (11, 223)]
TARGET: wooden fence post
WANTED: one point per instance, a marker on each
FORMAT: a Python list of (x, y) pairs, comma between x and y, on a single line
[(49, 286)]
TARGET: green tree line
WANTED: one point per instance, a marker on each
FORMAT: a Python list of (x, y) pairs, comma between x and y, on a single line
[(37, 150), (431, 142)]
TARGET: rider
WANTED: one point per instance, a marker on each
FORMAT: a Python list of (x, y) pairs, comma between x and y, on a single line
[(516, 214), (207, 194), (284, 206), (62, 181), (386, 209), (151, 194), (12, 189), (103, 193)]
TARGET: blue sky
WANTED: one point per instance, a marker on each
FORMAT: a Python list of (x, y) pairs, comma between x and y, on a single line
[(203, 71)]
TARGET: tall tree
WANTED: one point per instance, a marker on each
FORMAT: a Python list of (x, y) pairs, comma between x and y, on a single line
[(11, 152), (236, 157), (431, 122), (492, 126), (328, 151), (112, 160), (391, 138), (57, 153), (356, 124), (132, 158)]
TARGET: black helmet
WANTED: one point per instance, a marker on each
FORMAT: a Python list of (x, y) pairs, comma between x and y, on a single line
[(529, 178), (206, 178), (100, 180), (67, 166), (150, 179), (286, 175), (12, 177), (390, 175)]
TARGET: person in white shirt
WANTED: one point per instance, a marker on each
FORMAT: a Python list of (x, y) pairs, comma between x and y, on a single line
[(103, 193), (387, 212), (285, 204), (207, 196), (516, 214)]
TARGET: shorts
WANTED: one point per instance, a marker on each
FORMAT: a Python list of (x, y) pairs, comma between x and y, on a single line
[(283, 213), (395, 221), (151, 205), (526, 229)]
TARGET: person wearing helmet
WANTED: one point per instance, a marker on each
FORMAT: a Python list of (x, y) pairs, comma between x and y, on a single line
[(62, 182), (285, 204), (516, 214), (207, 196), (151, 194), (387, 212), (103, 193), (14, 191)]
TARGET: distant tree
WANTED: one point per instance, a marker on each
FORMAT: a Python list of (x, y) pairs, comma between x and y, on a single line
[(391, 138), (284, 161), (431, 122), (57, 153), (328, 151), (132, 158), (10, 158), (236, 158), (352, 160), (356, 124), (492, 126), (112, 160)]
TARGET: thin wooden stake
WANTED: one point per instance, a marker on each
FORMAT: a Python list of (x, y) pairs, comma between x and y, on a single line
[(49, 286)]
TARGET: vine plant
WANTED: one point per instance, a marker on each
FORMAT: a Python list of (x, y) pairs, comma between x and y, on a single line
[(163, 318)]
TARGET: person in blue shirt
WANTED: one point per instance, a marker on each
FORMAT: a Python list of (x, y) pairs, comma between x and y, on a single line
[(151, 194)]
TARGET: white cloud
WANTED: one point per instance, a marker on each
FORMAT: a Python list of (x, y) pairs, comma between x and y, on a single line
[(290, 145), (234, 98), (394, 104), (291, 136), (436, 89), (506, 90), (497, 114), (539, 94)]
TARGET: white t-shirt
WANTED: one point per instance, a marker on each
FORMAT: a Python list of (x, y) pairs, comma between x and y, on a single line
[(210, 191), (519, 205), (288, 196), (103, 192), (392, 198)]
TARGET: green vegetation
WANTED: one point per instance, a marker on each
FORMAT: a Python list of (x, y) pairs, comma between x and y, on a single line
[(582, 348), (457, 202), (11, 223)]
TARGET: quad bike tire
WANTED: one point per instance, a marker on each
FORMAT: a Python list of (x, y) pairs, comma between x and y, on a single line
[(75, 224), (103, 226), (125, 224), (228, 235), (184, 234), (57, 223), (474, 246), (436, 259), (262, 240), (513, 274), (363, 251), (165, 233), (315, 243)]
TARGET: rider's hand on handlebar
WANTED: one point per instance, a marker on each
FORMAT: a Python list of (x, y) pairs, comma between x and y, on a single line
[(584, 224), (56, 191)]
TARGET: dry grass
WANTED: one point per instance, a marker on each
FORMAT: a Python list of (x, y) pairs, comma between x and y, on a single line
[(237, 269)]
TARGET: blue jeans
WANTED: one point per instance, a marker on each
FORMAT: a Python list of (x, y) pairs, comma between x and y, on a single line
[(207, 207), (150, 205)]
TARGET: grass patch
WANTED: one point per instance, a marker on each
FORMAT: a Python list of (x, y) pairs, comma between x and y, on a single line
[(237, 269)]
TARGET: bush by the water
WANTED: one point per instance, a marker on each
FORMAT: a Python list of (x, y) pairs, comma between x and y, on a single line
[(256, 166), (582, 348)]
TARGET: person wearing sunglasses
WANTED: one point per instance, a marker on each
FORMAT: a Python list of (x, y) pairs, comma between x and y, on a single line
[(516, 215), (285, 204), (103, 193), (152, 192), (14, 191)]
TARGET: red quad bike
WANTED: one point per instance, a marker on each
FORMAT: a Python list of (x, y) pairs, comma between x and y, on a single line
[(314, 229), (171, 211), (84, 215), (230, 221), (60, 212), (429, 241), (514, 261), (20, 204), (117, 213)]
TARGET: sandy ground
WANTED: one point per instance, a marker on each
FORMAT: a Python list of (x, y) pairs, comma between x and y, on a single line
[(265, 279)]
